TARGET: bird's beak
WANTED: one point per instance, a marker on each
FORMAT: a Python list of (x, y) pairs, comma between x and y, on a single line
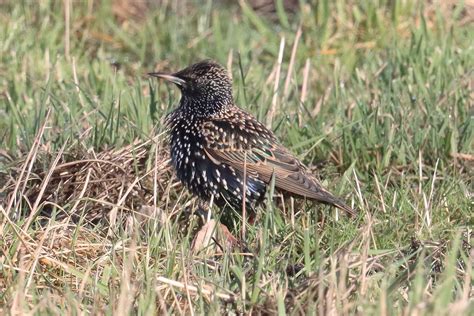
[(168, 77)]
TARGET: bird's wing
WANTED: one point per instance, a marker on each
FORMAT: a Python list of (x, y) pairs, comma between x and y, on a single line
[(237, 139)]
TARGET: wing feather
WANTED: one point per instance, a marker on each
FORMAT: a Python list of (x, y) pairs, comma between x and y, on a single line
[(242, 142)]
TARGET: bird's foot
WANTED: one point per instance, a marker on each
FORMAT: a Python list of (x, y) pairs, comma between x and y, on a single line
[(229, 240), (215, 238)]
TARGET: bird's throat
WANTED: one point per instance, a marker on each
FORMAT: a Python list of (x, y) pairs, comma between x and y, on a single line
[(203, 105)]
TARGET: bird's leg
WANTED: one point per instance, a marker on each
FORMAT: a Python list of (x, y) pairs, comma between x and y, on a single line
[(213, 230), (203, 210)]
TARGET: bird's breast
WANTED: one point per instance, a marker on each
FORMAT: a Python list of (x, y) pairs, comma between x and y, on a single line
[(188, 156), (204, 176)]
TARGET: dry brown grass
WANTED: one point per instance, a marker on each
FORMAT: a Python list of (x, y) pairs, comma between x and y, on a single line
[(90, 184)]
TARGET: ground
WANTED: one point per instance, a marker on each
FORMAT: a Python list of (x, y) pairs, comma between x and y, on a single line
[(375, 98)]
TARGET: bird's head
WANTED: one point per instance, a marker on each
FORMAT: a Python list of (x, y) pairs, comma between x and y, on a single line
[(206, 87)]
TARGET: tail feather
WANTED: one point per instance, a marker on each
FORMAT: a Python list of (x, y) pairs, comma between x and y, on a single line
[(343, 206), (326, 197)]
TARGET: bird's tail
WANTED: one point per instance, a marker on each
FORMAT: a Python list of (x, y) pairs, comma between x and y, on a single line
[(343, 206), (326, 197)]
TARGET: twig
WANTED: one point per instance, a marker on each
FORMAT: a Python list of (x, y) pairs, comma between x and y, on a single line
[(272, 111), (195, 289), (292, 62)]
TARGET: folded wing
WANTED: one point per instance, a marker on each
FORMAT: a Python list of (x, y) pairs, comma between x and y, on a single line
[(237, 139)]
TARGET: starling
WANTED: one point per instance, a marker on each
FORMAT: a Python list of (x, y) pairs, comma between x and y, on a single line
[(222, 154)]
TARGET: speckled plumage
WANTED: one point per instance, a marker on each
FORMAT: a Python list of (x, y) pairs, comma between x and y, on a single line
[(215, 145)]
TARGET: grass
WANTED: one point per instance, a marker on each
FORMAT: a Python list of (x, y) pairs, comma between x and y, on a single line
[(375, 96)]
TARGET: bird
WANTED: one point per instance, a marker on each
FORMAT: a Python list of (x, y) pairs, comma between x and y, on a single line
[(223, 154)]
